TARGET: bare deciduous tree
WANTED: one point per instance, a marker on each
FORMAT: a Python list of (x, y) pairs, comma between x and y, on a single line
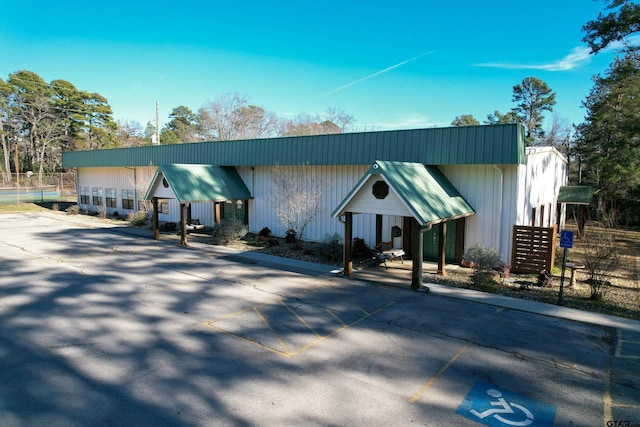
[(333, 120), (230, 117), (558, 135), (297, 196), (340, 118)]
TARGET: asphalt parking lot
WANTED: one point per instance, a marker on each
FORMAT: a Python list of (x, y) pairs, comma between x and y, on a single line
[(101, 327)]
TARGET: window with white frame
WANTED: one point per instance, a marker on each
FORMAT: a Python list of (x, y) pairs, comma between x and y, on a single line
[(127, 199), (85, 194), (111, 198), (96, 196)]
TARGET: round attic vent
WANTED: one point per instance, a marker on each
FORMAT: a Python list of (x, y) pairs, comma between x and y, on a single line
[(165, 183), (380, 190)]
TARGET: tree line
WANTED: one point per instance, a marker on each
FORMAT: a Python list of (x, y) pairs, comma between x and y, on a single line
[(232, 117), (533, 97), (39, 120), (604, 150), (607, 144)]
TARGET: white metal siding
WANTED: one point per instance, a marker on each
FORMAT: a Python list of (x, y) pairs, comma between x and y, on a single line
[(365, 201), (540, 182), (337, 182), (482, 187), (119, 178), (501, 196), (162, 192)]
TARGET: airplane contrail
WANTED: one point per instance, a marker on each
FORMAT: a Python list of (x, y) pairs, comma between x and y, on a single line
[(377, 73)]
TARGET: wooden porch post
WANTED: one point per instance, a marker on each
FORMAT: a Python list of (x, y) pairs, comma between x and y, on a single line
[(216, 212), (442, 253), (459, 250), (183, 224), (580, 221), (416, 255), (348, 238), (156, 228)]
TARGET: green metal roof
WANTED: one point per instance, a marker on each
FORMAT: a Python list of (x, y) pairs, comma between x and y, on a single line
[(575, 194), (425, 191), (495, 144), (200, 183)]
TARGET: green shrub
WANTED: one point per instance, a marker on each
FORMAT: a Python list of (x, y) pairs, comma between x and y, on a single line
[(230, 229), (73, 210), (137, 218), (486, 263), (361, 250), (484, 258), (331, 248), (485, 280)]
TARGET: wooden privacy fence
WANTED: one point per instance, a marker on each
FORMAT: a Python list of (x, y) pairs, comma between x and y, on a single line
[(533, 249)]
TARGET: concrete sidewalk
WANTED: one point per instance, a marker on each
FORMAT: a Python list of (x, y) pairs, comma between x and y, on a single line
[(401, 278), (397, 277)]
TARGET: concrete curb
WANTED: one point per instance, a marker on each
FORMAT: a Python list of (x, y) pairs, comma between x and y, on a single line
[(315, 269)]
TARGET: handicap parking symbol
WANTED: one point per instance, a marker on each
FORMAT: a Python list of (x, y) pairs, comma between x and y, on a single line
[(497, 407)]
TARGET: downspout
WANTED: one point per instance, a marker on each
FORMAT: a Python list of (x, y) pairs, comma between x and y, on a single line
[(77, 179), (135, 188), (498, 218)]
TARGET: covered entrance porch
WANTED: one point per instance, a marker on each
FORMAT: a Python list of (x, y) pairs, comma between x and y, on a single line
[(196, 184), (420, 194)]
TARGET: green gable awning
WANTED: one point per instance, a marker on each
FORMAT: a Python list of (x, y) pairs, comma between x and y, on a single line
[(575, 194), (425, 192), (199, 183)]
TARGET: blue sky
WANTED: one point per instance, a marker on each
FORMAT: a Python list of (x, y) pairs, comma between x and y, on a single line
[(392, 65)]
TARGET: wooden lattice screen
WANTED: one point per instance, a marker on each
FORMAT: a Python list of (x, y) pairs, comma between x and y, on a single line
[(533, 249)]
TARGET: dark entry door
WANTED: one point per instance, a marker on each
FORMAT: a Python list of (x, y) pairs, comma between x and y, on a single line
[(406, 235), (431, 242)]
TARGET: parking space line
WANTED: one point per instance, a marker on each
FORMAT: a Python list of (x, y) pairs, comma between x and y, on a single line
[(332, 314), (301, 320), (360, 308), (286, 352), (442, 370), (340, 329), (247, 340), (619, 349), (606, 398), (266, 322), (237, 313)]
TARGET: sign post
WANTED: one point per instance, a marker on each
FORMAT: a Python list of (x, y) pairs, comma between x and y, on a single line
[(566, 242)]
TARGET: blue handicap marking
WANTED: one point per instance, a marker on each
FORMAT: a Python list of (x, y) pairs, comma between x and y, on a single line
[(566, 239), (497, 407)]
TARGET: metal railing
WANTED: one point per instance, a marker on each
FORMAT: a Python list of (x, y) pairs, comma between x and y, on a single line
[(33, 188)]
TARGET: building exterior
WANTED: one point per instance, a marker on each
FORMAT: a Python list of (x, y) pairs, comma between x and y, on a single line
[(504, 183)]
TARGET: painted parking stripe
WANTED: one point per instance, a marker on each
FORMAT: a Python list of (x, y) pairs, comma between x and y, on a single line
[(496, 407), (441, 371), (292, 333), (624, 351)]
